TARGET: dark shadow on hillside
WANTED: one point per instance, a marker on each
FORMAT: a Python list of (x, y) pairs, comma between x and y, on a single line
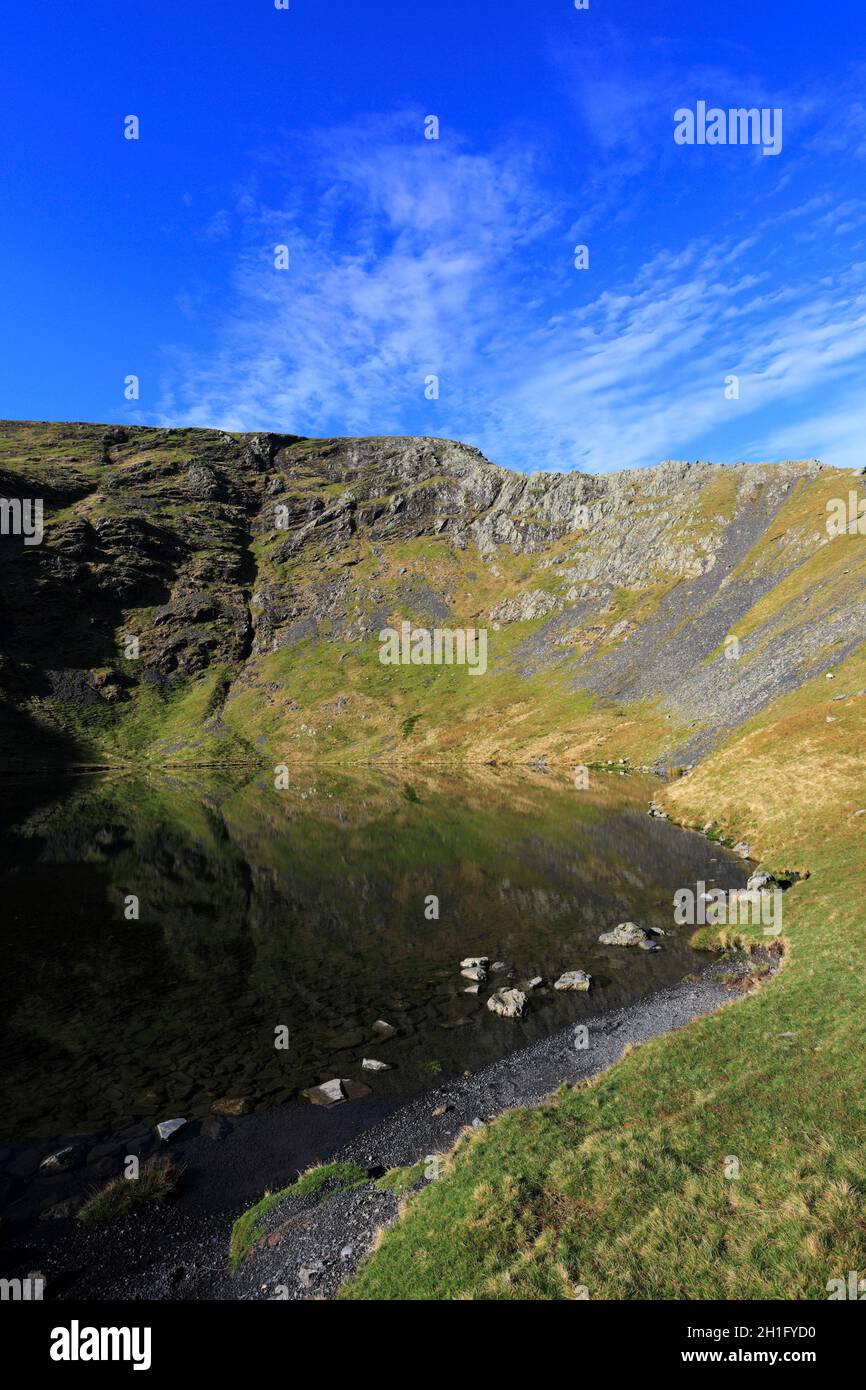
[(61, 604)]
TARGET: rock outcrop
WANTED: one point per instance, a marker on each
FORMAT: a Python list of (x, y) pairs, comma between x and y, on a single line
[(258, 570)]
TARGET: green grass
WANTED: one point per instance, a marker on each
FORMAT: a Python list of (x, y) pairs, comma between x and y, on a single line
[(324, 1179), (620, 1185), (334, 1176), (155, 727), (398, 1181)]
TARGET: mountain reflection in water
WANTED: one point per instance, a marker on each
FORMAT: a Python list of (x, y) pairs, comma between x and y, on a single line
[(305, 909)]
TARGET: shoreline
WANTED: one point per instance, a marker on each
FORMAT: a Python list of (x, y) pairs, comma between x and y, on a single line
[(180, 1251), (526, 1078)]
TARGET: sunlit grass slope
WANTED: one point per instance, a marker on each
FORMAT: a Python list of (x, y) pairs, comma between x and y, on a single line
[(619, 1187)]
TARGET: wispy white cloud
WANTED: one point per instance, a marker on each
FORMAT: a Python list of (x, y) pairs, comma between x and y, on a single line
[(398, 278), (411, 258), (643, 376)]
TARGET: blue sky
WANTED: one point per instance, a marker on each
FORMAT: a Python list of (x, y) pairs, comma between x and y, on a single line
[(455, 257)]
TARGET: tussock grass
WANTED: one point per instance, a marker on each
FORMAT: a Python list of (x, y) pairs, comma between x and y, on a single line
[(157, 1181)]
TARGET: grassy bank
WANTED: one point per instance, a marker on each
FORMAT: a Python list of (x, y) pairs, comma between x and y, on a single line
[(320, 1181), (619, 1188)]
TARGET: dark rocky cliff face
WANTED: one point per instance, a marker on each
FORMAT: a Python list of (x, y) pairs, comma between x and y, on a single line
[(199, 594)]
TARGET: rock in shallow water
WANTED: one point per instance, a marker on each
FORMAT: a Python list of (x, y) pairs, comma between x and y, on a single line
[(508, 1003), (383, 1030), (574, 979), (337, 1090), (626, 934), (230, 1105), (166, 1128), (61, 1158)]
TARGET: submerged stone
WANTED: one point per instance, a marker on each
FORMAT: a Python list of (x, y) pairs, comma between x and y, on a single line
[(383, 1030), (230, 1105)]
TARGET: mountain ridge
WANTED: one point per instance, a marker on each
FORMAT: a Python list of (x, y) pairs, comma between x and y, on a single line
[(256, 571)]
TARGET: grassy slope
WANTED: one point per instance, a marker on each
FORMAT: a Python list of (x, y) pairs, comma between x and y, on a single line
[(156, 727), (289, 697), (619, 1186)]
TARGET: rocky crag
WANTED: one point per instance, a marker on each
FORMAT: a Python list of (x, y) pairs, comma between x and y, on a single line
[(205, 596)]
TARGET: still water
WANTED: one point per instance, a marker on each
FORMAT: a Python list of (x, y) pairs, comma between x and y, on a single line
[(308, 909)]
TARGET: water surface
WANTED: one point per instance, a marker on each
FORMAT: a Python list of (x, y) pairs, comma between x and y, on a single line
[(305, 908)]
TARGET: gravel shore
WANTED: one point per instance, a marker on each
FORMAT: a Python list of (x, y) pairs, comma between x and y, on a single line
[(312, 1244)]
